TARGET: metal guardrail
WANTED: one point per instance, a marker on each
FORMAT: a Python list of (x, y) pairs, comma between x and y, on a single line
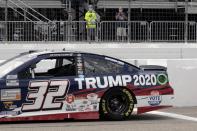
[(105, 31), (47, 31), (171, 31), (119, 31)]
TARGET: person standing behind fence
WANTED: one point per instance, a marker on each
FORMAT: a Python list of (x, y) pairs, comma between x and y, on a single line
[(91, 19), (121, 32)]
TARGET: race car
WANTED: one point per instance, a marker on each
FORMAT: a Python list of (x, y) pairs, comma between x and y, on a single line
[(58, 85)]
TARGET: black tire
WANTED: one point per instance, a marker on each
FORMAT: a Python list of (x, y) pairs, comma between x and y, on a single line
[(116, 104)]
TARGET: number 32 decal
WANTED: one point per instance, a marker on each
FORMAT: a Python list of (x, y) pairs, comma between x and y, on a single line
[(46, 95)]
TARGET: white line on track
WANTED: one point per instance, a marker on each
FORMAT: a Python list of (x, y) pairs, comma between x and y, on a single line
[(174, 115), (2, 61)]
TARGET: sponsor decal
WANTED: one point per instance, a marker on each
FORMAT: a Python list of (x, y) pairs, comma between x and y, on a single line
[(84, 106), (155, 99), (9, 105), (12, 83), (61, 54), (80, 66), (10, 113), (81, 104), (10, 94), (11, 77), (119, 80), (70, 98), (93, 98), (162, 79), (88, 106), (71, 107)]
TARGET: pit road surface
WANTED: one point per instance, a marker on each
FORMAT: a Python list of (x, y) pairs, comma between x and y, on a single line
[(173, 119)]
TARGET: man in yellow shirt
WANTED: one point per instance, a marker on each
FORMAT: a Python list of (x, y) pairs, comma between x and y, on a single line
[(91, 20)]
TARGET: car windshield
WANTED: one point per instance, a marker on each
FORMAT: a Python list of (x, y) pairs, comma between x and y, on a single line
[(13, 63)]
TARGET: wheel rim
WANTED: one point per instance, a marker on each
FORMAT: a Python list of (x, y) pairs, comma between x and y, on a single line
[(117, 103)]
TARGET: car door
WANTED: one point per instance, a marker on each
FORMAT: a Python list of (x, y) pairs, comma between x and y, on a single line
[(45, 83)]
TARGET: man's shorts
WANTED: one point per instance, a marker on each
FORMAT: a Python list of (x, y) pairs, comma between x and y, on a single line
[(121, 31)]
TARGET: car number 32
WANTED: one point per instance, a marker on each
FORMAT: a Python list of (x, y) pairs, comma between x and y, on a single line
[(145, 80), (46, 95)]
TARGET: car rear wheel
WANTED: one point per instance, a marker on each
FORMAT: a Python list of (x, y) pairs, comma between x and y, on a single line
[(116, 104)]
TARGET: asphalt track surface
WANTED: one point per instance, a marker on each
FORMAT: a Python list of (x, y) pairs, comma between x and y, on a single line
[(174, 119)]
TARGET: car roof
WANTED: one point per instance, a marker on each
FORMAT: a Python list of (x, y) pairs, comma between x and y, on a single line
[(35, 53), (80, 52), (38, 52)]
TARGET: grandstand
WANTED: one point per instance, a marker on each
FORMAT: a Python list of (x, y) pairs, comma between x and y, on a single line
[(148, 10), (150, 20)]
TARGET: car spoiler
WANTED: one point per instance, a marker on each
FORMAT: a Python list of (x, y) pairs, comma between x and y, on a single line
[(153, 67)]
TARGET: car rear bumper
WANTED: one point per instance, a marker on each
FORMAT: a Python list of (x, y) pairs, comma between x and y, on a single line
[(150, 103)]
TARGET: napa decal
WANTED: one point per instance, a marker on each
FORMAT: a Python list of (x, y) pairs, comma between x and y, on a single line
[(10, 95), (155, 99), (119, 80)]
